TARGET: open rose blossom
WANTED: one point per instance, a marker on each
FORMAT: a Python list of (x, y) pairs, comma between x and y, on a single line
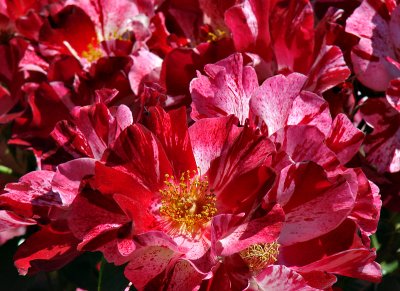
[(174, 205), (199, 145)]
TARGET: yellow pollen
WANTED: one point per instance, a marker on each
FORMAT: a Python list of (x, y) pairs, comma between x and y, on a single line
[(217, 35), (187, 204), (92, 53), (258, 256), (117, 35)]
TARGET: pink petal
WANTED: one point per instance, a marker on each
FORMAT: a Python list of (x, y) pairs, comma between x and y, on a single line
[(272, 101), (225, 90), (136, 208), (292, 33), (185, 276), (353, 263), (277, 277), (146, 66), (305, 143), (32, 62), (122, 119), (394, 29), (313, 205), (209, 137), (369, 57), (9, 220), (309, 108), (32, 194), (70, 139), (254, 231), (367, 206), (68, 177), (73, 25), (93, 213), (344, 139), (11, 233), (319, 279), (93, 121), (250, 27), (149, 266), (382, 146), (110, 17), (130, 196), (329, 69), (393, 92), (214, 11), (180, 65), (341, 251)]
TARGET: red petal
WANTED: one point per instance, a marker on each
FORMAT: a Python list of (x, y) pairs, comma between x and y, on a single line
[(209, 137), (171, 130), (45, 251), (140, 153), (71, 24)]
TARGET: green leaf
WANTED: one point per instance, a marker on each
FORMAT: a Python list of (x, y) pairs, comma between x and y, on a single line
[(389, 267), (5, 170)]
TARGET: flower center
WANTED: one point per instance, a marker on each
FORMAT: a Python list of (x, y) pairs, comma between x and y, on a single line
[(258, 256), (92, 53), (187, 204), (216, 35)]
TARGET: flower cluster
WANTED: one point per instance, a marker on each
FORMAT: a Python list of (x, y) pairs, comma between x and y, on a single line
[(201, 145)]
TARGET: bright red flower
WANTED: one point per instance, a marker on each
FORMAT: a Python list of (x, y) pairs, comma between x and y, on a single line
[(179, 205), (148, 170), (313, 244)]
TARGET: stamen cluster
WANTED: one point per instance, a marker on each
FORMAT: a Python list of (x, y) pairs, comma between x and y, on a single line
[(187, 204), (258, 256)]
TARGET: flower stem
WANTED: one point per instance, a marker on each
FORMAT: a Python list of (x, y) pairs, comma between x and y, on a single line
[(101, 271)]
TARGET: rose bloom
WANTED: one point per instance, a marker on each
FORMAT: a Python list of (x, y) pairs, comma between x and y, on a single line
[(213, 206)]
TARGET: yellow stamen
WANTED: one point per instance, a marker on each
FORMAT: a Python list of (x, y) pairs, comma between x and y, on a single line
[(187, 204), (92, 53), (117, 35), (258, 256), (217, 35)]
